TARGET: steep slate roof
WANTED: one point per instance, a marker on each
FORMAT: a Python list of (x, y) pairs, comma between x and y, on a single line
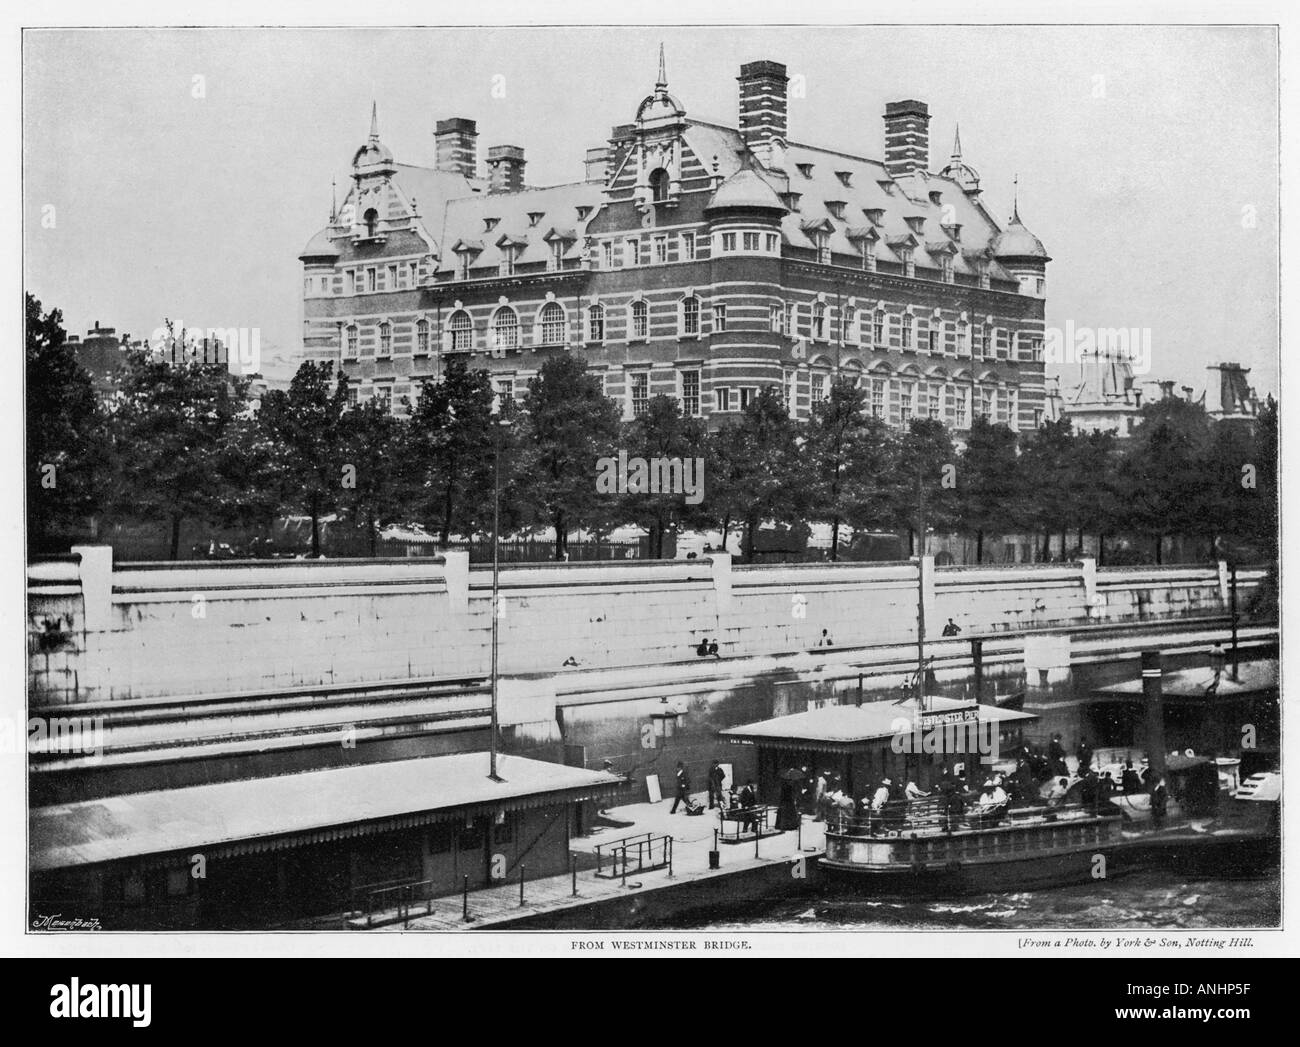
[(463, 220)]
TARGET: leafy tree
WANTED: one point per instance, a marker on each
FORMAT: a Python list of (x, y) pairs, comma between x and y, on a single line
[(987, 482), (759, 457), (662, 432), (1048, 483), (1095, 463), (171, 432), (1163, 487), (66, 442), (306, 424), (377, 488), (923, 461), (571, 424), (846, 453), (451, 446)]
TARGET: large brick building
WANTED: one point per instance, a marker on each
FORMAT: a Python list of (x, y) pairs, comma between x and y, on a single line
[(697, 260)]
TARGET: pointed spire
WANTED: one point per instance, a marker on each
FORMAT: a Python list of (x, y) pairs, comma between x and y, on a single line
[(334, 201), (662, 82), (1015, 200), (374, 121), (956, 144)]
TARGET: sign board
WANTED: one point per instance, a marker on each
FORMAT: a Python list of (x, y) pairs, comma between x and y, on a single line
[(950, 718), (652, 788)]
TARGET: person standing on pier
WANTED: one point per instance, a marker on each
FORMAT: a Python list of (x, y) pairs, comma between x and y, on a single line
[(1056, 756), (716, 777), (683, 788), (1084, 753)]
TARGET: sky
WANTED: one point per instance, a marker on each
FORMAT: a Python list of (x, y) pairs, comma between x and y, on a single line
[(1147, 157)]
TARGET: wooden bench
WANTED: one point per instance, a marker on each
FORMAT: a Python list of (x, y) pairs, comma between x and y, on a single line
[(744, 823)]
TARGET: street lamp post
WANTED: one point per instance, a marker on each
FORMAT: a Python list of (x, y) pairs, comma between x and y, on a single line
[(496, 577)]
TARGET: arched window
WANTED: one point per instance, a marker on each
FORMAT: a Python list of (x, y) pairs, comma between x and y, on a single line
[(819, 320), (371, 218), (659, 184), (385, 339), (552, 324), (422, 338), (596, 323), (505, 329), (462, 331), (640, 320), (691, 315)]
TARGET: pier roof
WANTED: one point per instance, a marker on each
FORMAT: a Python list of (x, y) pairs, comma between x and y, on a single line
[(1254, 678), (839, 728), (258, 814)]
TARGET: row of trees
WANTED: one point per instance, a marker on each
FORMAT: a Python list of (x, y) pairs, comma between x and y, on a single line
[(178, 443)]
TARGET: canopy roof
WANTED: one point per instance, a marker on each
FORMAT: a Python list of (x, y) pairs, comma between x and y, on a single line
[(294, 809)]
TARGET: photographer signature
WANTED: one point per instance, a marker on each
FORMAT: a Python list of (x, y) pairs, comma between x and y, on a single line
[(59, 922)]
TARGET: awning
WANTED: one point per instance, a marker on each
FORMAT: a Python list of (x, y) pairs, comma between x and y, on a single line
[(290, 810), (1255, 679), (846, 728)]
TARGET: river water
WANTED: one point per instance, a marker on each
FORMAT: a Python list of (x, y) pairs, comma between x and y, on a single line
[(1151, 900)]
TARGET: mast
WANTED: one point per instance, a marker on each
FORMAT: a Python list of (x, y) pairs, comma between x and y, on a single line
[(920, 594)]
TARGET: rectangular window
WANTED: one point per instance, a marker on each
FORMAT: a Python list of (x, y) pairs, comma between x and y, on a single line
[(878, 329), (631, 251), (507, 266), (747, 396), (639, 384), (877, 398), (776, 316), (385, 340), (688, 247), (422, 338), (719, 318), (391, 283), (905, 394), (773, 243), (372, 280), (950, 405), (607, 254), (1012, 397), (823, 249), (935, 345), (909, 331), (691, 394), (691, 316), (384, 395), (751, 241), (505, 389), (922, 334), (722, 398), (661, 250), (820, 386), (557, 255), (728, 241)]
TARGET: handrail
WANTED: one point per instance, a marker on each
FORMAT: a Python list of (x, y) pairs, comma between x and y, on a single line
[(644, 852)]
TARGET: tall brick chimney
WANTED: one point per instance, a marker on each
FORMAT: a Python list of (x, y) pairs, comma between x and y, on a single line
[(763, 108), (457, 146), (505, 169), (907, 137)]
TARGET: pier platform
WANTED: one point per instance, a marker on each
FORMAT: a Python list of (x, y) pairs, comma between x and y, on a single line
[(781, 864)]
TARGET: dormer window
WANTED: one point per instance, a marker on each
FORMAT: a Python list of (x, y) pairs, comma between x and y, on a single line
[(909, 263), (822, 241), (791, 200), (371, 219), (953, 231), (489, 224), (535, 216), (582, 213), (659, 185), (945, 268), (836, 208), (509, 252), (936, 197), (805, 169), (916, 223), (867, 251), (888, 185), (875, 215), (845, 177), (557, 255)]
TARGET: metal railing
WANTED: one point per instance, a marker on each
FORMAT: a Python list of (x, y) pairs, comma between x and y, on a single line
[(402, 898), (745, 822), (634, 854), (932, 816)]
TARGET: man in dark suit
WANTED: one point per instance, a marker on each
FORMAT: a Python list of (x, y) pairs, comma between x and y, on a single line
[(683, 788)]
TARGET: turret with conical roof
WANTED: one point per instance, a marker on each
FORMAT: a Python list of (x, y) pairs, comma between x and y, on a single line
[(1021, 253)]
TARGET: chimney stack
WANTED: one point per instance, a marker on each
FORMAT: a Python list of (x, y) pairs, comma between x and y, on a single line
[(598, 158), (457, 146), (505, 169), (907, 137), (763, 109)]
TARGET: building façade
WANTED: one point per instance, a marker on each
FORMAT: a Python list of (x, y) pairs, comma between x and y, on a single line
[(696, 260)]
